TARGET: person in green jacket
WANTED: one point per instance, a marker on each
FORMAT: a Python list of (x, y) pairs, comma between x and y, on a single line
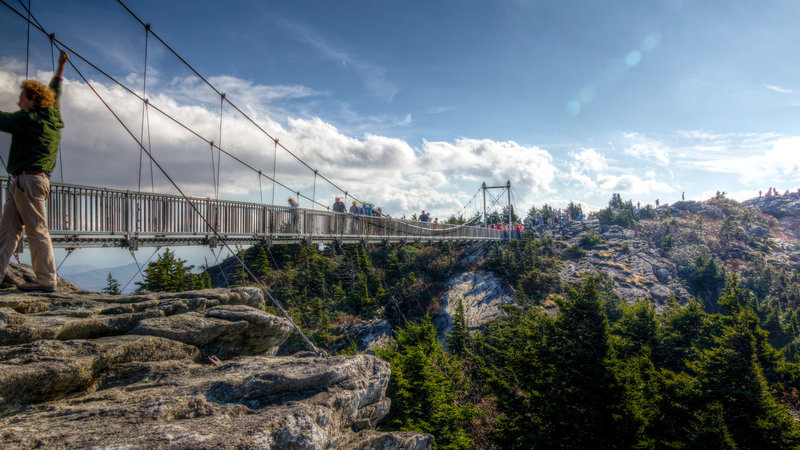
[(35, 133)]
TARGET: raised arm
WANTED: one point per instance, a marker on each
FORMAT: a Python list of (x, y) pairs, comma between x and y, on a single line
[(62, 60)]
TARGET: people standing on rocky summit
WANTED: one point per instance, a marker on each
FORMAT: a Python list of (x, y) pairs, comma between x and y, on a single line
[(35, 133)]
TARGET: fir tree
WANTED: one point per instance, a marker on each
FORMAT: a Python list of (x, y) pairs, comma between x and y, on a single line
[(423, 388), (167, 274), (261, 266), (112, 286), (458, 339), (202, 280), (731, 375)]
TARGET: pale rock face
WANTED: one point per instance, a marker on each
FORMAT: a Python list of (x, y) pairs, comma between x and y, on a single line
[(80, 369), (482, 294)]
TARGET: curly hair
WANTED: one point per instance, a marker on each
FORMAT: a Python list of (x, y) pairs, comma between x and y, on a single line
[(41, 95)]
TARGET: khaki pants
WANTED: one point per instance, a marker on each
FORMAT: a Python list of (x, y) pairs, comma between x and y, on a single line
[(26, 205)]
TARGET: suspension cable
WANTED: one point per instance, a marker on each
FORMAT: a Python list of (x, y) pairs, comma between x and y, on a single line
[(260, 189), (138, 268), (159, 110), (144, 103), (219, 156), (314, 192), (197, 210), (28, 44), (69, 252), (216, 260), (213, 173), (218, 92), (274, 166)]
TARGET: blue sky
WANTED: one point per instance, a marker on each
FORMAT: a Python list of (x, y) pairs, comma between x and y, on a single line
[(413, 105)]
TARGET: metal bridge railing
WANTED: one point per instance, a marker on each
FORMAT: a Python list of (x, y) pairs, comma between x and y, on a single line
[(86, 216)]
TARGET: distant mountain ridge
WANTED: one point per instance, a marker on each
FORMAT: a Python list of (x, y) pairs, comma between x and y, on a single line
[(92, 278)]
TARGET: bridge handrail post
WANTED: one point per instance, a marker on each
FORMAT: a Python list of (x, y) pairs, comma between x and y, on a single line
[(264, 212), (127, 212)]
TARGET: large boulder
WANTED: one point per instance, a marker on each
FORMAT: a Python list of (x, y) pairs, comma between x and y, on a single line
[(17, 274), (188, 370), (254, 402)]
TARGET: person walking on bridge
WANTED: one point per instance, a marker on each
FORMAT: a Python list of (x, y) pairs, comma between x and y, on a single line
[(35, 133), (338, 220)]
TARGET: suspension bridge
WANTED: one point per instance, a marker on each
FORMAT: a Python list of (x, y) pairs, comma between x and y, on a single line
[(86, 216), (82, 216)]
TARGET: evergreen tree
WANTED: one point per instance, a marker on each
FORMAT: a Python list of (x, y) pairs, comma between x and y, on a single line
[(393, 269), (112, 285), (238, 276), (731, 375), (682, 333), (423, 388), (260, 266), (583, 393), (167, 274), (551, 378), (202, 280), (358, 297), (635, 332), (458, 339), (711, 430)]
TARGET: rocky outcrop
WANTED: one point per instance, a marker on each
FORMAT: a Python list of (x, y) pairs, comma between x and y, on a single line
[(481, 292), (92, 370), (778, 206), (638, 271), (365, 336), (17, 274), (703, 209)]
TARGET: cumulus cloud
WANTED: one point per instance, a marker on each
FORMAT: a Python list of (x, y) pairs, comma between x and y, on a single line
[(97, 150), (531, 167), (591, 170), (584, 166)]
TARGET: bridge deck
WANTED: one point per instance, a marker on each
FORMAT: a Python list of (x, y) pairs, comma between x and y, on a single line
[(88, 216)]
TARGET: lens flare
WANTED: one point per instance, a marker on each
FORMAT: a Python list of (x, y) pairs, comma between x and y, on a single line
[(573, 108), (634, 58)]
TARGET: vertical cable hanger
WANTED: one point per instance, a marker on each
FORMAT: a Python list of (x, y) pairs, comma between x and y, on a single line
[(219, 147), (274, 164), (146, 114), (314, 192), (213, 172), (260, 190)]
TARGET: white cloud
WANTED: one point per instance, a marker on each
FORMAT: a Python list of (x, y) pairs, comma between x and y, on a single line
[(531, 168), (585, 165), (633, 185), (642, 147), (779, 89), (775, 158), (96, 150)]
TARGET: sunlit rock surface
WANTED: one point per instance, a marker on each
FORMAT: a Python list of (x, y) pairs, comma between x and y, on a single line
[(89, 370)]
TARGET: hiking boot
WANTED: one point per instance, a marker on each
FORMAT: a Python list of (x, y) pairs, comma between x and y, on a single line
[(36, 287)]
